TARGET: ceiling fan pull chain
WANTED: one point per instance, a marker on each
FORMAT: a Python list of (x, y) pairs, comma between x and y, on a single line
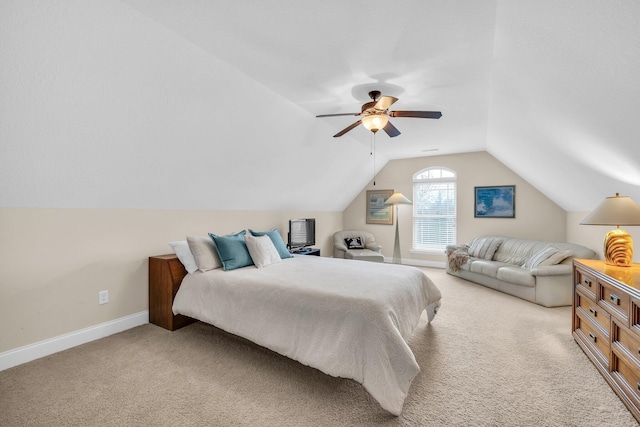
[(373, 153)]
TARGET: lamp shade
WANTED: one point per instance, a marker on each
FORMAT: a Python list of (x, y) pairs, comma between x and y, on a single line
[(616, 210), (397, 199), (375, 122)]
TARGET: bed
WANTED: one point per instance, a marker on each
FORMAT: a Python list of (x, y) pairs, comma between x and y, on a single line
[(349, 319)]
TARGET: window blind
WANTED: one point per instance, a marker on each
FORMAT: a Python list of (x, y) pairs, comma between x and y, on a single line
[(434, 214)]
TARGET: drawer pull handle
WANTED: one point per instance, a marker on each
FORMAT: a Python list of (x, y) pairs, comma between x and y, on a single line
[(587, 282), (638, 386), (593, 311), (593, 336), (614, 299)]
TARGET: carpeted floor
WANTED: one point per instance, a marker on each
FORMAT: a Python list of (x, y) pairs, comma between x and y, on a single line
[(488, 359)]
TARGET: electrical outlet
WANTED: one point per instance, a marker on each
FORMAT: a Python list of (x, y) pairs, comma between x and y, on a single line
[(103, 297)]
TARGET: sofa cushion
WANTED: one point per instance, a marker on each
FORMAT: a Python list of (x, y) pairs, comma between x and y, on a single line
[(488, 268), (516, 251), (549, 255), (516, 275), (484, 247)]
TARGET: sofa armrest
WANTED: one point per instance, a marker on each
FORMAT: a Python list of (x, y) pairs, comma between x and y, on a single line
[(452, 248), (552, 270), (374, 246), (340, 246)]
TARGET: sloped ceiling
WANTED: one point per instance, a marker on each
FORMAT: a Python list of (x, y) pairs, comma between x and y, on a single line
[(214, 102), (549, 88)]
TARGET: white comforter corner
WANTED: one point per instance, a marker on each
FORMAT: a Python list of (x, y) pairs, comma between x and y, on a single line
[(347, 318)]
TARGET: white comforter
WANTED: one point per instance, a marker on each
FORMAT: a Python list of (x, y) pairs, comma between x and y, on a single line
[(347, 318)]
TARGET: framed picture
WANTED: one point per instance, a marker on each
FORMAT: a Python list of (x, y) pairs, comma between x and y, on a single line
[(495, 202), (377, 211)]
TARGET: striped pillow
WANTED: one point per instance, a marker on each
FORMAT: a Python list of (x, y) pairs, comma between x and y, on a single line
[(484, 247), (549, 255)]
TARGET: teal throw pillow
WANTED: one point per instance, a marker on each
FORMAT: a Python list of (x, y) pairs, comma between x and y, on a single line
[(232, 250), (274, 235)]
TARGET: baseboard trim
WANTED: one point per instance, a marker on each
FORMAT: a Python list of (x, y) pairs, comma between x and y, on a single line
[(20, 355), (418, 263)]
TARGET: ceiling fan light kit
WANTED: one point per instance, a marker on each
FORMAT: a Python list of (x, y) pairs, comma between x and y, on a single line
[(375, 115), (375, 122)]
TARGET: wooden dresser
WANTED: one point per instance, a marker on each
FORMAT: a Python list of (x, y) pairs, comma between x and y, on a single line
[(606, 324)]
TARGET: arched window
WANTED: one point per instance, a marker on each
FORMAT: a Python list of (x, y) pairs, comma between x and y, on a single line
[(434, 209)]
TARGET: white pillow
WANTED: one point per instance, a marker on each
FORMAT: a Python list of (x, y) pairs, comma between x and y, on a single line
[(182, 251), (205, 253), (262, 250), (549, 255)]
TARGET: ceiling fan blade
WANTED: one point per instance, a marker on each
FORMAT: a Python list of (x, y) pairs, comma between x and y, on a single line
[(418, 114), (347, 129), (391, 130), (339, 114), (385, 102)]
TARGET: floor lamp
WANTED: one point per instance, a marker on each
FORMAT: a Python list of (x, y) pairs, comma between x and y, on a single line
[(395, 200)]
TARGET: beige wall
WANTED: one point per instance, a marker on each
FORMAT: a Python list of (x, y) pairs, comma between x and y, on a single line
[(537, 217), (592, 236), (53, 262)]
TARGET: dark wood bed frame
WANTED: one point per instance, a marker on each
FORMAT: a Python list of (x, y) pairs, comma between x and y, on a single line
[(165, 275)]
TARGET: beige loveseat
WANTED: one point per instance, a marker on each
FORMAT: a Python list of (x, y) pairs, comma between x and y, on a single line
[(535, 270)]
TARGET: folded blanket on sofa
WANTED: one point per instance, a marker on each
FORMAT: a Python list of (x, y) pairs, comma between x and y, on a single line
[(457, 257)]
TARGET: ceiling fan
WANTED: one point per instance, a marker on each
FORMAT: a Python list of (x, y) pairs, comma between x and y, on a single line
[(376, 115)]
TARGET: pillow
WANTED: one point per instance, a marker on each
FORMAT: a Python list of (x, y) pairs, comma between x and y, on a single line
[(204, 252), (232, 250), (181, 249), (262, 250), (484, 247), (353, 243), (279, 244), (549, 255)]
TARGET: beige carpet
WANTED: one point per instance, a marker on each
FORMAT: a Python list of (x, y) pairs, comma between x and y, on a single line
[(488, 359)]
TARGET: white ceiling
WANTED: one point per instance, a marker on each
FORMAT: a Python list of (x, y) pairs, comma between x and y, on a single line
[(552, 89), (326, 56), (205, 97)]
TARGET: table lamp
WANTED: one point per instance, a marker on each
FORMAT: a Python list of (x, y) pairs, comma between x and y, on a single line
[(618, 244)]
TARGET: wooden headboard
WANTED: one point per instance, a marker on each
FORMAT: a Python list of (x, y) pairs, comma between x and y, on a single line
[(165, 275)]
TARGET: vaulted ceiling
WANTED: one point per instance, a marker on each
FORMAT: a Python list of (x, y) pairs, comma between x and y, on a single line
[(549, 88), (216, 96)]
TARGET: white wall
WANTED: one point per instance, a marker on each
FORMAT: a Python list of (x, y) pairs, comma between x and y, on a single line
[(102, 107)]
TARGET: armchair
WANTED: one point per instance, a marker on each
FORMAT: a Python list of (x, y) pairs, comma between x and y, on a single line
[(370, 248)]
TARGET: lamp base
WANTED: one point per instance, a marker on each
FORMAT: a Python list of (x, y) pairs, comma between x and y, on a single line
[(397, 257), (618, 248)]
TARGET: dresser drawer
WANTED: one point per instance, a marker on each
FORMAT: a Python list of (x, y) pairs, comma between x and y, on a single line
[(593, 335), (627, 374), (616, 301), (593, 310), (627, 339), (586, 283)]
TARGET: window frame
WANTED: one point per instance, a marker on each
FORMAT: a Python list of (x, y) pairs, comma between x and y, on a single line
[(447, 176)]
